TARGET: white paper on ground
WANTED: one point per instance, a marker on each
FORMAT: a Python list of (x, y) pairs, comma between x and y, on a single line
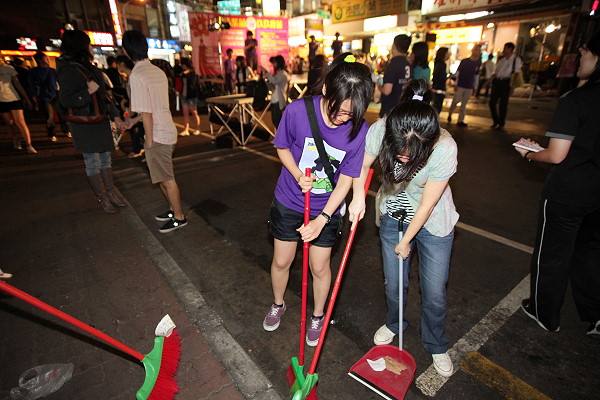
[(377, 365), (165, 327)]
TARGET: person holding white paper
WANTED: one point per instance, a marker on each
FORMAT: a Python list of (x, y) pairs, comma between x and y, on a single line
[(568, 239)]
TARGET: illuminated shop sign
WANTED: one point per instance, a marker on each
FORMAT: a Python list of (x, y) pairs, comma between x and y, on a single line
[(100, 38), (163, 44), (458, 35), (27, 43), (115, 18)]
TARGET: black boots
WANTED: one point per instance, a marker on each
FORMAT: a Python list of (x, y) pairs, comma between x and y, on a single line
[(113, 195)]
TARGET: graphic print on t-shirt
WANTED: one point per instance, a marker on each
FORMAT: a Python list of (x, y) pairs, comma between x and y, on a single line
[(310, 159)]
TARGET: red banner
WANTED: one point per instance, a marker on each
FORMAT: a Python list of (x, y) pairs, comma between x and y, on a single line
[(270, 33)]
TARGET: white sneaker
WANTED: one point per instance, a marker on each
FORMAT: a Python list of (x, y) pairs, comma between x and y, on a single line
[(196, 132), (443, 364), (53, 138), (184, 133), (383, 336)]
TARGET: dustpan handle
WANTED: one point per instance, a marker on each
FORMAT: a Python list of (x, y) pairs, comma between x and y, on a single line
[(67, 318), (401, 283), (305, 252), (336, 286)]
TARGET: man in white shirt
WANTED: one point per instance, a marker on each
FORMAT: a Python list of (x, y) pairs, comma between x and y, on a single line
[(501, 84), (150, 98)]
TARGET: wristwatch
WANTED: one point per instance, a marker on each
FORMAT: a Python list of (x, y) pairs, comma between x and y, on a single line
[(327, 216)]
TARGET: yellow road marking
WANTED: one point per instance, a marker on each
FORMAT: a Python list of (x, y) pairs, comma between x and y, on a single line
[(500, 379)]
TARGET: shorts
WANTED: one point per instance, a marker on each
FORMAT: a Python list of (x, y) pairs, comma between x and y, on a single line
[(283, 223), (159, 159), (11, 105), (193, 102)]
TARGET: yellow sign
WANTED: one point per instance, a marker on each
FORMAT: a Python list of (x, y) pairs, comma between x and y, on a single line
[(352, 10), (468, 34)]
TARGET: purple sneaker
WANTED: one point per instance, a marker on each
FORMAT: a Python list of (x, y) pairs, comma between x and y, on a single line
[(273, 317), (314, 331)]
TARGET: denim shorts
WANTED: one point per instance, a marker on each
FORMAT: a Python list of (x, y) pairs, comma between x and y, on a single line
[(192, 102), (283, 223)]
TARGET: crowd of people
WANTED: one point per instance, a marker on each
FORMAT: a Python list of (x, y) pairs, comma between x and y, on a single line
[(417, 158)]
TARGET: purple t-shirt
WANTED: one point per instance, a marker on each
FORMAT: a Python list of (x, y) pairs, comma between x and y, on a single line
[(345, 156)]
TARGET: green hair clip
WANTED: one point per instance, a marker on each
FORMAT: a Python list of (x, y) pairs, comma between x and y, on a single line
[(350, 58)]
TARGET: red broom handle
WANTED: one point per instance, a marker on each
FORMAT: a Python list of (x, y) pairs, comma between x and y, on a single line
[(336, 286), (305, 248), (73, 321)]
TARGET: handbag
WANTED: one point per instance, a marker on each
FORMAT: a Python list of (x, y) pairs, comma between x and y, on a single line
[(95, 118), (516, 78), (316, 132)]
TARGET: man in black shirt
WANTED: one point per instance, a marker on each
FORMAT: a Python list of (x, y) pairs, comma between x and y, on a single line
[(397, 73)]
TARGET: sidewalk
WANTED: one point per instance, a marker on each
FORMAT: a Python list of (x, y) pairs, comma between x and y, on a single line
[(64, 250)]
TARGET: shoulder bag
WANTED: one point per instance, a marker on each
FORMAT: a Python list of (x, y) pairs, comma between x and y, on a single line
[(95, 118), (316, 132)]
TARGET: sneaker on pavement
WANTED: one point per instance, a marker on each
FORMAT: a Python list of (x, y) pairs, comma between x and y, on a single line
[(184, 133), (196, 132), (166, 216), (273, 318), (383, 336), (527, 308), (68, 134), (443, 364), (173, 224), (52, 138), (314, 331), (31, 150), (594, 330)]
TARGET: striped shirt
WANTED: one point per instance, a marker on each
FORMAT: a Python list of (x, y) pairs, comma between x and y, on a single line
[(400, 202), (150, 94)]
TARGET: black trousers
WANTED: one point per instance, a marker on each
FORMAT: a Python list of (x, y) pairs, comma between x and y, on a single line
[(438, 101), (276, 114), (567, 246), (500, 93)]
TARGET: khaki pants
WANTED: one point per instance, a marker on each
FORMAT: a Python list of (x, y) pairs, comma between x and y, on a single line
[(461, 96)]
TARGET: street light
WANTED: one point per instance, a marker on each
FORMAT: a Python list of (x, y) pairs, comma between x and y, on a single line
[(125, 27)]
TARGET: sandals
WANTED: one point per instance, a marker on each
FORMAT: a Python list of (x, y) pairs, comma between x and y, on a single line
[(5, 275)]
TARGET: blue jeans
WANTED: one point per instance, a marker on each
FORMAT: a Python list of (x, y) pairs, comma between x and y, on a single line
[(94, 162), (434, 265)]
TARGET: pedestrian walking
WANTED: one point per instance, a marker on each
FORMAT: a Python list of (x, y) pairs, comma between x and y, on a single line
[(397, 73), (80, 83), (417, 159), (13, 98), (487, 69), (278, 82), (501, 85), (189, 97), (250, 51), (440, 75), (43, 82), (466, 81), (347, 91), (568, 238), (420, 62), (150, 97)]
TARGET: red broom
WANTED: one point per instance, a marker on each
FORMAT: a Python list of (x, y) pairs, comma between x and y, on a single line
[(160, 364)]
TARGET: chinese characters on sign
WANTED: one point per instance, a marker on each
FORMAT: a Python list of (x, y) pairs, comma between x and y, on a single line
[(351, 10)]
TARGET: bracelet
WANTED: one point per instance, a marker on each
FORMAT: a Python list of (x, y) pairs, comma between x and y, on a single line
[(525, 156), (327, 216)]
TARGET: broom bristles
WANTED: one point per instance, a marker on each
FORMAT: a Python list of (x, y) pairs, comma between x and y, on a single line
[(166, 386)]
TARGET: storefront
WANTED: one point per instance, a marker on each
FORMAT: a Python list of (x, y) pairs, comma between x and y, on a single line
[(25, 48), (163, 49)]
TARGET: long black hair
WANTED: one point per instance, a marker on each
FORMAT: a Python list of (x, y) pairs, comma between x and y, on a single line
[(412, 126), (346, 79), (278, 63), (76, 45), (440, 56), (421, 52)]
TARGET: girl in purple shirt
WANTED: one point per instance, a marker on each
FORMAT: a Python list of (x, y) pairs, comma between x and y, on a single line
[(347, 90)]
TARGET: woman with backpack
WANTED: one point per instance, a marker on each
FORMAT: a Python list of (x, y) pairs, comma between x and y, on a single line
[(189, 97)]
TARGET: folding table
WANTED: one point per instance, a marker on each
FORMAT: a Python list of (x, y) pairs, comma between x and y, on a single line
[(242, 108)]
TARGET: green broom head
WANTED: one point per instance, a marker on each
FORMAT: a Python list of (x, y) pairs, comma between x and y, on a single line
[(298, 371), (305, 390), (161, 365)]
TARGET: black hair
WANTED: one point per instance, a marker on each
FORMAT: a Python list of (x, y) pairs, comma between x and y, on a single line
[(421, 52), (593, 45), (228, 50), (278, 63), (135, 44), (412, 126), (510, 45), (319, 62), (18, 61), (125, 60), (76, 44), (347, 80), (38, 57), (110, 60), (249, 33), (402, 43), (186, 62), (416, 87), (440, 56)]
